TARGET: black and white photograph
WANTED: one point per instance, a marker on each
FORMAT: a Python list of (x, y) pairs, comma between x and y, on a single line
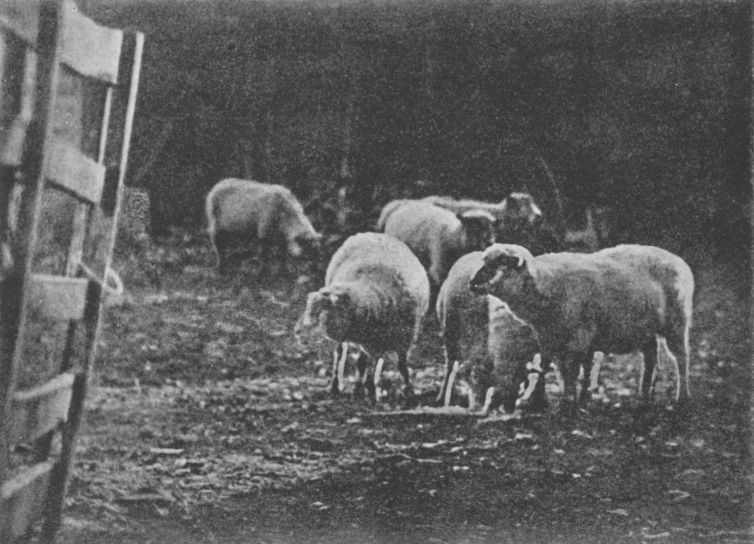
[(376, 271)]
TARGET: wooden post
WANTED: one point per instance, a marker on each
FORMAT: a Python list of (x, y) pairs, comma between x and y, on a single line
[(15, 288)]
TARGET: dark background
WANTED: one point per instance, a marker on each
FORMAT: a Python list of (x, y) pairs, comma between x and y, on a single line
[(641, 106)]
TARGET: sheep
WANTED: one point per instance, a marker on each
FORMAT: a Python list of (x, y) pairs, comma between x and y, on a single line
[(261, 217), (437, 236), (618, 300), (376, 293), (518, 220), (487, 347), (387, 211), (514, 206)]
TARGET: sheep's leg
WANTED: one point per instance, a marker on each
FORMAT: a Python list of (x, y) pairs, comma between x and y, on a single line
[(451, 380), (649, 349), (451, 357), (571, 367), (444, 386), (408, 391), (678, 350), (538, 399), (594, 375), (377, 377), (222, 242), (533, 377), (586, 363), (488, 398), (340, 353), (363, 376), (366, 377)]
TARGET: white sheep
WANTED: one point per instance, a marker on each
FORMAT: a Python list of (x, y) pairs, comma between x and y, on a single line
[(439, 237), (376, 293), (518, 220), (618, 300), (488, 349), (515, 205), (259, 218)]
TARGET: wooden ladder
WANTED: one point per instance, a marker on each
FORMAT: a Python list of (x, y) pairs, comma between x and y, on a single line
[(67, 97)]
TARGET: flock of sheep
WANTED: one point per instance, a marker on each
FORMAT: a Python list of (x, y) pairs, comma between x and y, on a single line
[(509, 301)]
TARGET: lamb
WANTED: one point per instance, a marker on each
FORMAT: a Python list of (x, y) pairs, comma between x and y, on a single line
[(518, 220), (618, 300), (437, 236), (487, 348), (251, 216), (376, 293)]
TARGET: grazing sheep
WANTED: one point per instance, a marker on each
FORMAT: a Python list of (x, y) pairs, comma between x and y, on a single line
[(376, 293), (253, 216), (437, 236), (487, 348), (518, 220), (618, 300)]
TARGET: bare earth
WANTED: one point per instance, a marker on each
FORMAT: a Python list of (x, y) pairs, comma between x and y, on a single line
[(209, 422)]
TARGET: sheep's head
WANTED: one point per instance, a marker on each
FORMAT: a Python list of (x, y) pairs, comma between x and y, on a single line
[(521, 207), (503, 271), (479, 226), (329, 308)]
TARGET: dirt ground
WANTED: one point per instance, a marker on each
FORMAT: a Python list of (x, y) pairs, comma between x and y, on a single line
[(209, 422)]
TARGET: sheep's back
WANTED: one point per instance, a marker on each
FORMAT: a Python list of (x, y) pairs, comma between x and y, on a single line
[(670, 270), (380, 260), (463, 205), (387, 211), (243, 205), (422, 226), (269, 211), (615, 304)]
